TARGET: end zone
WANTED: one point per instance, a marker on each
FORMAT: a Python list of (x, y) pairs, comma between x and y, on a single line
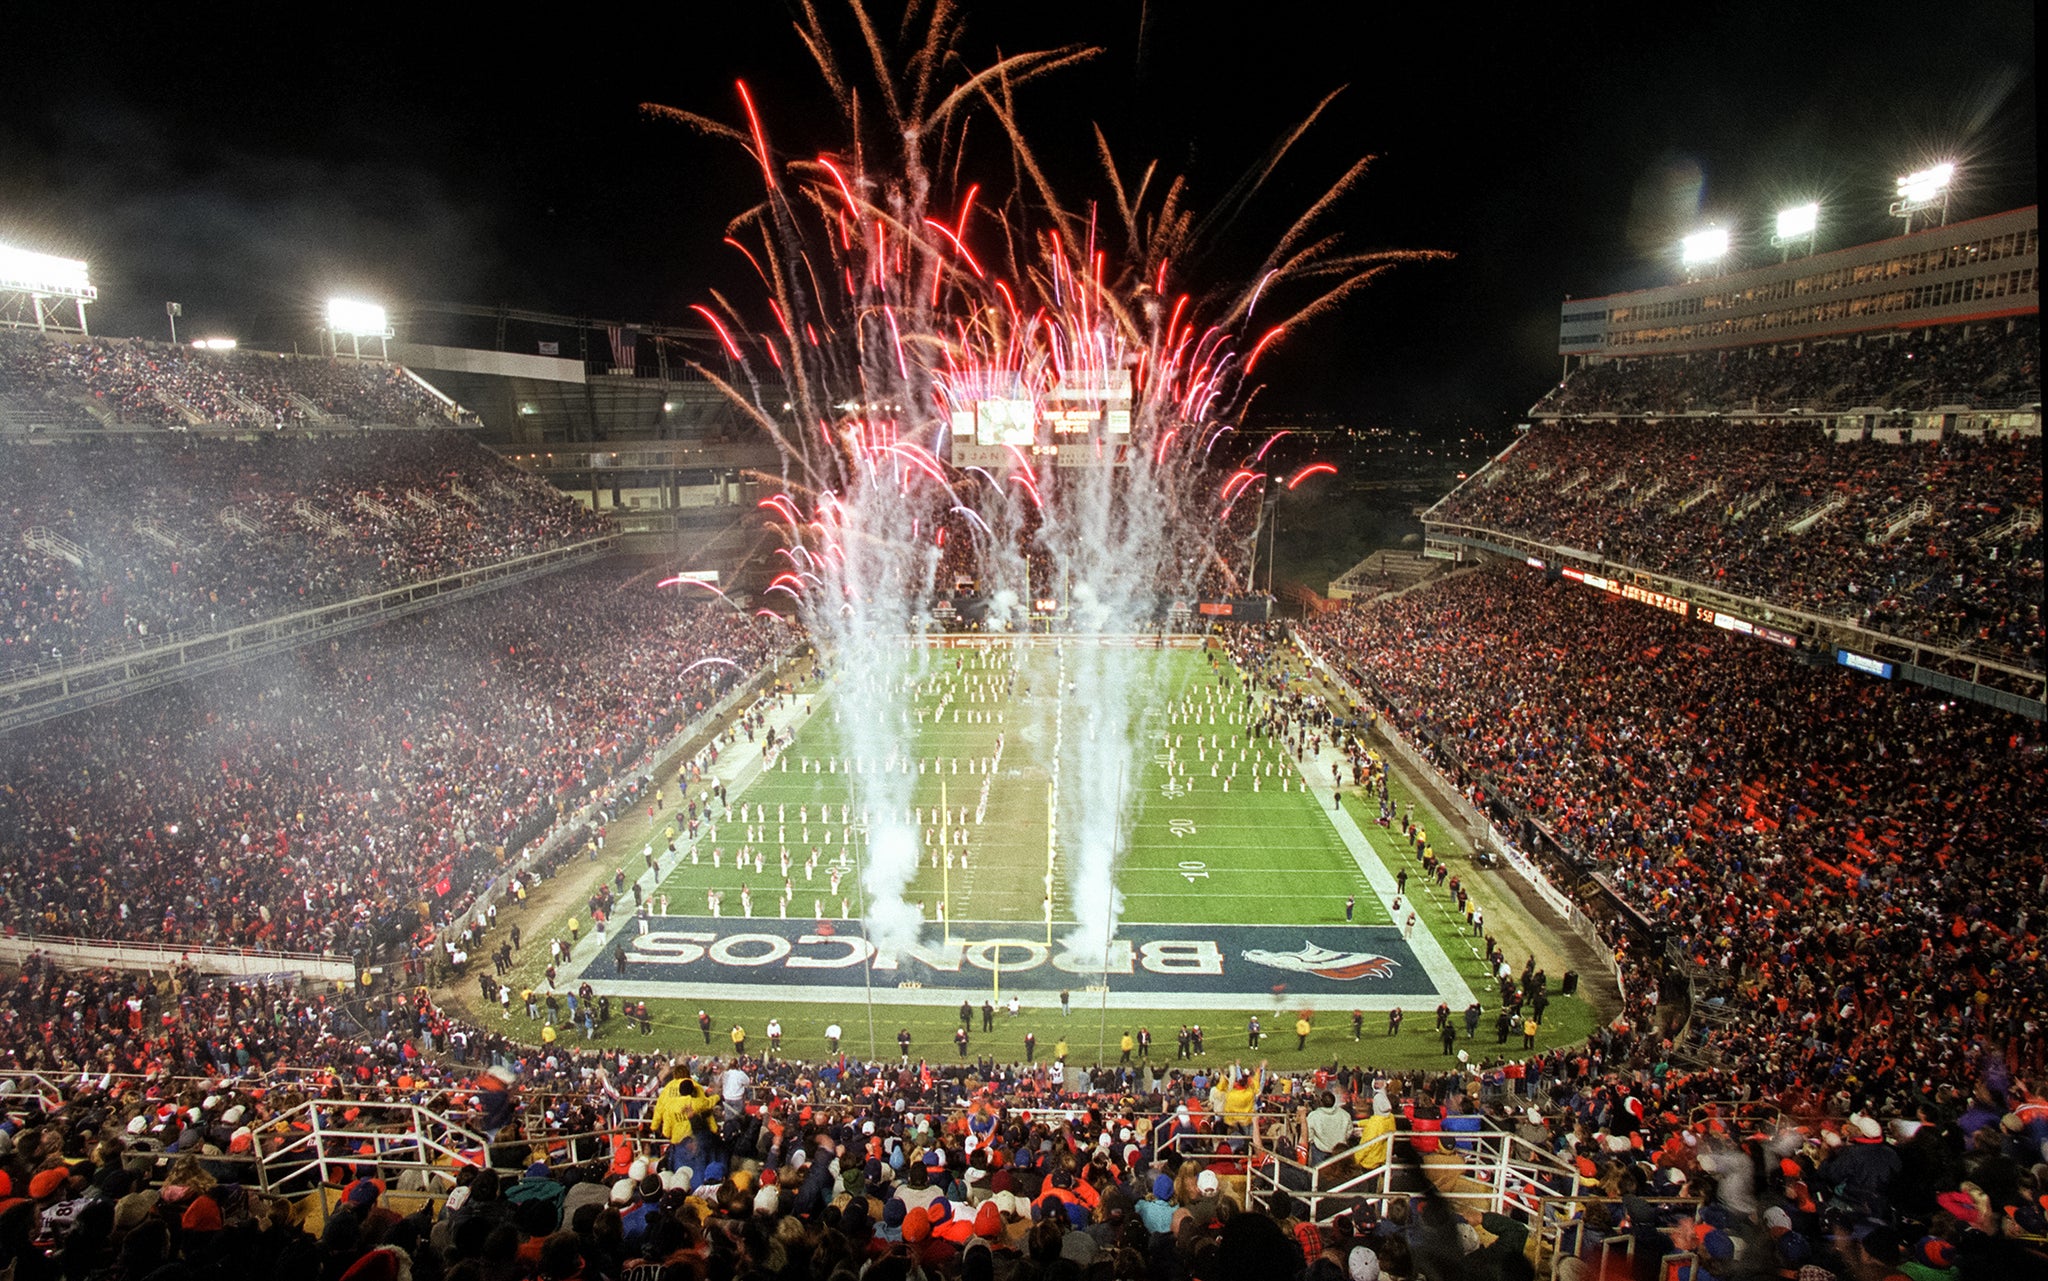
[(1150, 966)]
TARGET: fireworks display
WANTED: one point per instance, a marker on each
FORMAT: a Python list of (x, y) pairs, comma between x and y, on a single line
[(1014, 390)]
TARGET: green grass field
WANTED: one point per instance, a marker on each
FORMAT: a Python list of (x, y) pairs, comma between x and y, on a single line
[(1196, 852), (1263, 852)]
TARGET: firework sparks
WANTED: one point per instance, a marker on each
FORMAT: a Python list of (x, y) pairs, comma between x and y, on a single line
[(896, 308)]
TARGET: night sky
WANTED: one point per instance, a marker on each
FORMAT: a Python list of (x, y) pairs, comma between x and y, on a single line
[(249, 168)]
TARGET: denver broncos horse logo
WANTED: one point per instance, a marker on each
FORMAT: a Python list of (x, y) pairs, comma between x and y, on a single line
[(1324, 963)]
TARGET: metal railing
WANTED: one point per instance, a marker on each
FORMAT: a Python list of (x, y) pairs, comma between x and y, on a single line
[(151, 957), (1490, 1170), (307, 1144)]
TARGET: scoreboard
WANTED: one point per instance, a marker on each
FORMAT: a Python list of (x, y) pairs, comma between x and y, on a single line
[(1082, 421)]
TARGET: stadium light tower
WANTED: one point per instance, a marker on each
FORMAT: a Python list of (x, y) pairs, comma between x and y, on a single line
[(1924, 190), (1703, 251), (34, 289), (1800, 222), (355, 320)]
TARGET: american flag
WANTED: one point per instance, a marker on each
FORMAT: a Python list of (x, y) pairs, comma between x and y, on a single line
[(625, 345)]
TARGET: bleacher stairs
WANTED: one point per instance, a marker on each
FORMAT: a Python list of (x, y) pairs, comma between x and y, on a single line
[(1697, 496), (154, 531), (93, 406), (2015, 529), (320, 521), (1815, 514), (1748, 503), (1920, 510), (48, 541), (375, 510), (176, 404), (313, 412)]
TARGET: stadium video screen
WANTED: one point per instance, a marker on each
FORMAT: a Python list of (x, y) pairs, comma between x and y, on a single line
[(1006, 422)]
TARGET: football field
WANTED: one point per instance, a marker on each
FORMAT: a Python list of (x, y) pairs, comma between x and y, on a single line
[(1244, 890), (1223, 828)]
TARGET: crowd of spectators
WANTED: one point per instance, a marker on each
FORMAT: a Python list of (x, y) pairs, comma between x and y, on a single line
[(187, 535), (1998, 362), (337, 798), (1715, 501), (635, 1165), (881, 1165), (132, 381), (1853, 870), (1850, 870)]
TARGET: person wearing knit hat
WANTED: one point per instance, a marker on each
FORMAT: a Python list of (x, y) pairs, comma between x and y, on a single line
[(133, 1210), (385, 1263), (1863, 1168), (1794, 1249), (1931, 1256), (1156, 1210), (988, 1221), (48, 1185), (203, 1215), (1363, 1264), (917, 1225), (1958, 1204)]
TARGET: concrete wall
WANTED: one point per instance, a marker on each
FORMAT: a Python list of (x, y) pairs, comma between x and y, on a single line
[(89, 953)]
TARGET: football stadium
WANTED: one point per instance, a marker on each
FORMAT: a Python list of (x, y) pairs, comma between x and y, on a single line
[(866, 781)]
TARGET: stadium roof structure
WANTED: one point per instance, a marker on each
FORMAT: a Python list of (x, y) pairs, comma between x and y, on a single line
[(1976, 270)]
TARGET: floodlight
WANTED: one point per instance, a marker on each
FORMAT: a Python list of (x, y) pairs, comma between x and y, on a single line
[(1926, 185), (33, 273), (360, 319), (1799, 220), (214, 344), (1704, 247)]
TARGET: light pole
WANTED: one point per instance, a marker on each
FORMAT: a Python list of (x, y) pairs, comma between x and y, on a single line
[(1800, 222), (174, 310), (1701, 252), (1923, 190)]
